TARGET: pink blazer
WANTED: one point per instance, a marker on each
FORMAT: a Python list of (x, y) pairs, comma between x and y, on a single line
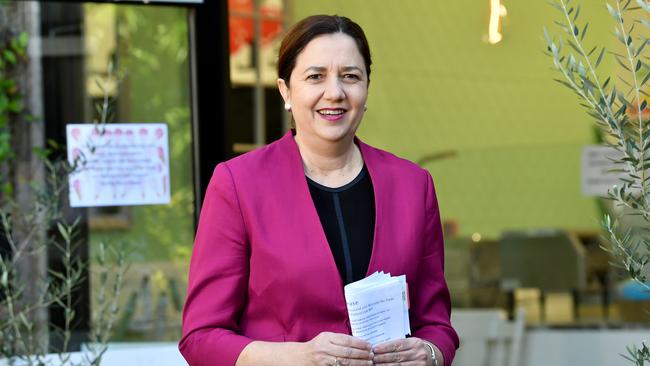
[(262, 269)]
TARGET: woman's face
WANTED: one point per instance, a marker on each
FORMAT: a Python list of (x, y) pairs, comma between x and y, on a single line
[(328, 89)]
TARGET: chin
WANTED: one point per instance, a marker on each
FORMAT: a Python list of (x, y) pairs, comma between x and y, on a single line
[(335, 135)]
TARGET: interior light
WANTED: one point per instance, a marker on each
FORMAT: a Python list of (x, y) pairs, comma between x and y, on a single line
[(497, 11)]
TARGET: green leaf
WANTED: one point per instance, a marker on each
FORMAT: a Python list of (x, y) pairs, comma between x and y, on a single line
[(613, 12), (584, 32), (575, 17), (23, 39), (623, 65), (4, 279), (63, 231), (575, 30), (643, 4), (587, 83), (626, 83), (7, 84), (619, 36), (13, 44), (592, 51), (15, 106), (627, 4), (556, 6), (600, 57), (607, 82), (638, 52), (565, 83), (645, 79), (575, 48), (547, 37), (9, 56)]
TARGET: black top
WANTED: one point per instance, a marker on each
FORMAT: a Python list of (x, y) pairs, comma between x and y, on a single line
[(347, 214)]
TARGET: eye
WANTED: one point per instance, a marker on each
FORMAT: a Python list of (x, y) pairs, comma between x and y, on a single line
[(315, 77), (351, 77)]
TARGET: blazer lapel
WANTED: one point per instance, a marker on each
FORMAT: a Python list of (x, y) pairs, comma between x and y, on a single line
[(306, 209), (379, 184)]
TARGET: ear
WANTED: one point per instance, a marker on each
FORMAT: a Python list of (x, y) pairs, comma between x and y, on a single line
[(284, 90)]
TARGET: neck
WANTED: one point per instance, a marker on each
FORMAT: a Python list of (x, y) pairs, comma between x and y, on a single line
[(329, 161)]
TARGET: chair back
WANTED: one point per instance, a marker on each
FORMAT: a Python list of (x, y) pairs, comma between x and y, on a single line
[(487, 338)]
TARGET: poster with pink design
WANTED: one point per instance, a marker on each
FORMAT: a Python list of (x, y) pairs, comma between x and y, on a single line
[(118, 164)]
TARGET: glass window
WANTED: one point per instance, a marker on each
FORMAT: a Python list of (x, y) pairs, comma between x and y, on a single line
[(255, 29), (148, 45)]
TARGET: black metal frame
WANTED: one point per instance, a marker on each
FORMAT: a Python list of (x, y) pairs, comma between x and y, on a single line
[(211, 91)]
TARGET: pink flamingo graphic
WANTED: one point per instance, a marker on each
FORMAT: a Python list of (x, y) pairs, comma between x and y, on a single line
[(76, 133), (77, 188)]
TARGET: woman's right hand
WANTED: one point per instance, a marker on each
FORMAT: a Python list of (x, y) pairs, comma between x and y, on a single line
[(327, 348)]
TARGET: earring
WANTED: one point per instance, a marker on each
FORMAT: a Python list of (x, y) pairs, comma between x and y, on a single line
[(287, 106), (365, 108)]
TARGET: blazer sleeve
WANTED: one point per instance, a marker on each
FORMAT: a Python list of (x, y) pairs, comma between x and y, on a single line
[(218, 278), (431, 304)]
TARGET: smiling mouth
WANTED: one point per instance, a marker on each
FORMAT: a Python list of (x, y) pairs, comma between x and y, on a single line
[(331, 112)]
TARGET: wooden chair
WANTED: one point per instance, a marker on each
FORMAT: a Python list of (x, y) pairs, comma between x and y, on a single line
[(487, 338)]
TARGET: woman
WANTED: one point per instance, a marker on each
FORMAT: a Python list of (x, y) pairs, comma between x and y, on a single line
[(284, 227)]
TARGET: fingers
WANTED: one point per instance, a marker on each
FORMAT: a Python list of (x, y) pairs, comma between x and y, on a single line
[(350, 341), (396, 345), (349, 362), (352, 353), (403, 352), (395, 358), (341, 349)]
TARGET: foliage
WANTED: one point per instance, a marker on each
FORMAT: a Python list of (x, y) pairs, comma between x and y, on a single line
[(621, 113), (29, 231), (12, 52)]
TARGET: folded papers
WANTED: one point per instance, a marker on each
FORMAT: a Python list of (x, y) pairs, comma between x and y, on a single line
[(378, 308)]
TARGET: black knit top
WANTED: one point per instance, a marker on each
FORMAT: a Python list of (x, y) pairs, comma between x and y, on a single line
[(347, 214)]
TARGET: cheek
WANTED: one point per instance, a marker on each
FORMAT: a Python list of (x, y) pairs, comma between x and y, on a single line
[(358, 96), (306, 97)]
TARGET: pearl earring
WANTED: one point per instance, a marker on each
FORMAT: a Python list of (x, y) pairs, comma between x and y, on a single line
[(287, 106)]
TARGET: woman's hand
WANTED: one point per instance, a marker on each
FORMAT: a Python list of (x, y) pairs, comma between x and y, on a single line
[(327, 348), (404, 352)]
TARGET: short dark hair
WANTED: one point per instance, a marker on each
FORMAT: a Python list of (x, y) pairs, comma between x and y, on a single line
[(311, 27)]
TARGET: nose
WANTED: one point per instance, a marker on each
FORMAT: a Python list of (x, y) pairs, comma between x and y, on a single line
[(334, 90)]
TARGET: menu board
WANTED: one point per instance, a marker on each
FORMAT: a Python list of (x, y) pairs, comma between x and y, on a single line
[(118, 164)]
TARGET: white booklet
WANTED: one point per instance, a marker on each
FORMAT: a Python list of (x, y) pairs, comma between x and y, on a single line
[(378, 308)]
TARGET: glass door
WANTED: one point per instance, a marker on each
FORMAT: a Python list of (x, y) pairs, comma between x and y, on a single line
[(148, 47)]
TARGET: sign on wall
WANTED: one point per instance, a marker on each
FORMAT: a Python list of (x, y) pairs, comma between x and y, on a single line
[(118, 164), (597, 166)]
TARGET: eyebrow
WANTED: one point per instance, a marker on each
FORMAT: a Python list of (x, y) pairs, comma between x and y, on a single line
[(323, 68)]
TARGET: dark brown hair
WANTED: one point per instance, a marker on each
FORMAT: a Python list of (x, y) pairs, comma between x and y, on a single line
[(311, 27)]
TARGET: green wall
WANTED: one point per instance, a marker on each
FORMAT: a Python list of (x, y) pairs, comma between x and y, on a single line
[(436, 86)]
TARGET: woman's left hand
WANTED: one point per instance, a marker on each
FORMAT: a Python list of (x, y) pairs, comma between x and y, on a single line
[(403, 352)]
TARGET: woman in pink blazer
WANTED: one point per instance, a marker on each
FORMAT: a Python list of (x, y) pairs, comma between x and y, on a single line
[(266, 282)]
